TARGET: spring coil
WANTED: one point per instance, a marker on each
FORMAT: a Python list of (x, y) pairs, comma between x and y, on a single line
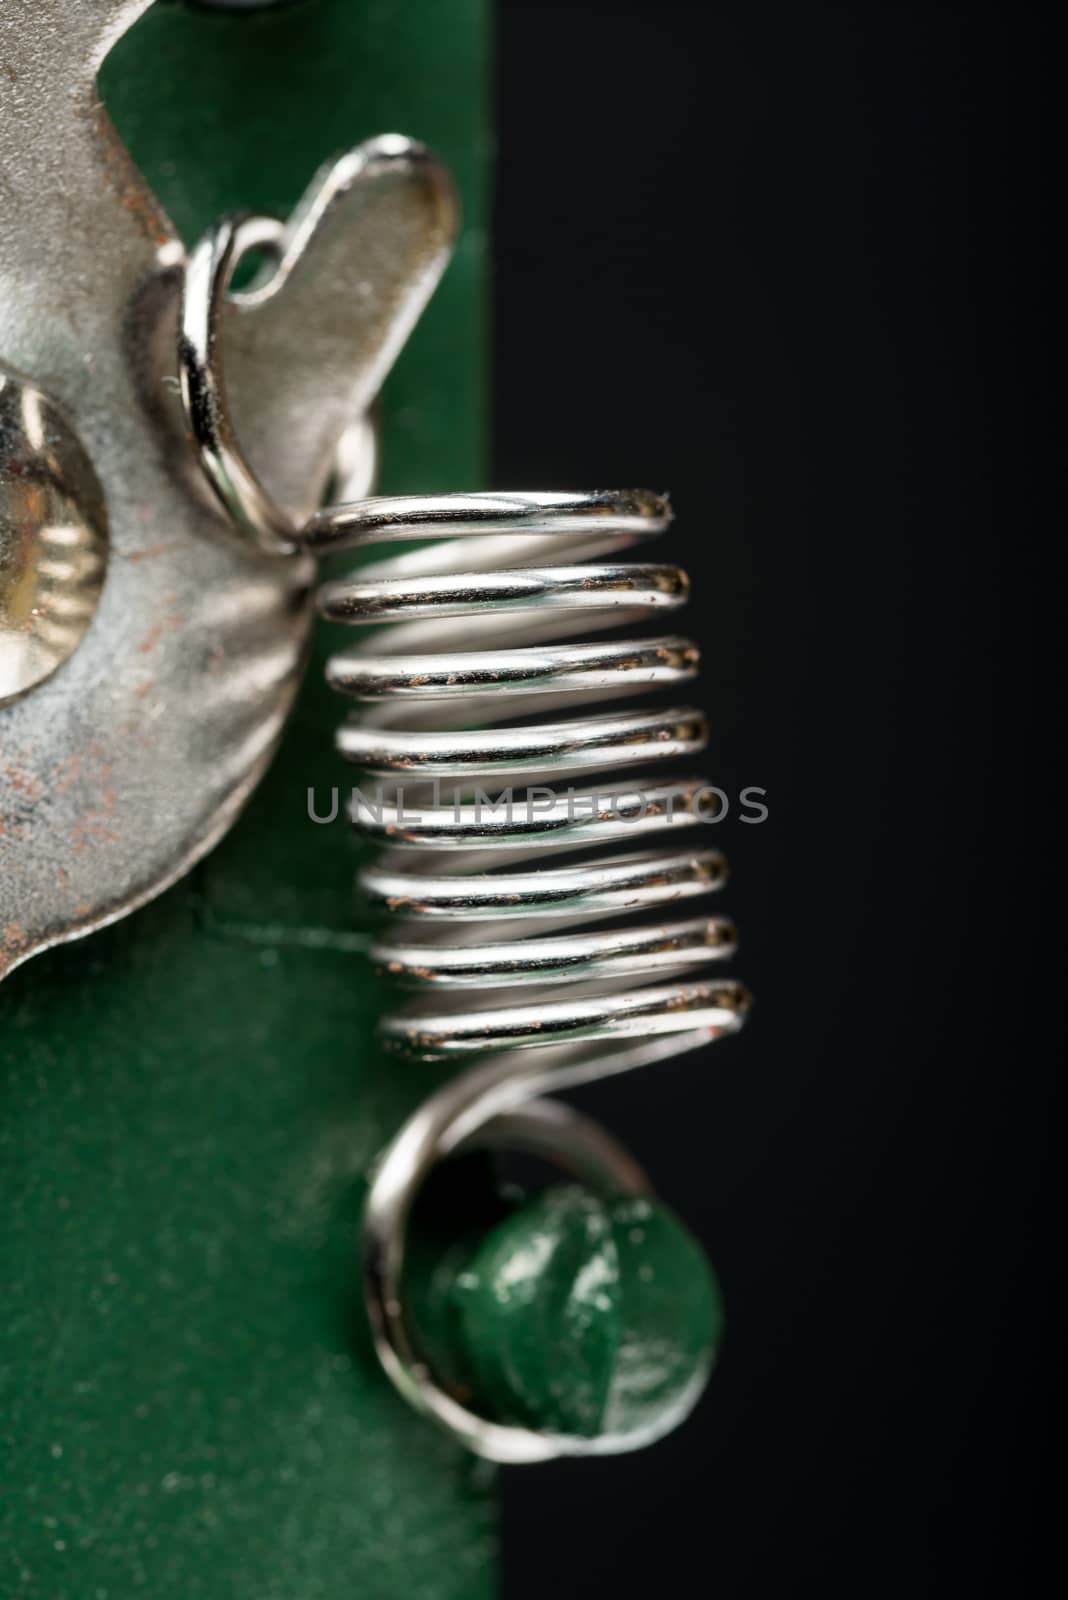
[(465, 687), (462, 689)]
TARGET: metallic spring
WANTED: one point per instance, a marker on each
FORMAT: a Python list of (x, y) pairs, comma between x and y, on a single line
[(485, 794), (513, 859)]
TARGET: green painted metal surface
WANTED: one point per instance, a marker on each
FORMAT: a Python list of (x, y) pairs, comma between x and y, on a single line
[(189, 1406)]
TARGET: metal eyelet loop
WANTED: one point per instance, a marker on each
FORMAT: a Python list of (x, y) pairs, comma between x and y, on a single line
[(209, 272), (497, 1105)]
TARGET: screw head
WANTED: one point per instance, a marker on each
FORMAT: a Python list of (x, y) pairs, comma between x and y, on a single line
[(578, 1315), (53, 538)]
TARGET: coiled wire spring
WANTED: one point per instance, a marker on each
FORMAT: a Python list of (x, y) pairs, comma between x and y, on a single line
[(465, 735), (505, 890)]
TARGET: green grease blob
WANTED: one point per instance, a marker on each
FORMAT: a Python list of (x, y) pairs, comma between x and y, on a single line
[(586, 1316)]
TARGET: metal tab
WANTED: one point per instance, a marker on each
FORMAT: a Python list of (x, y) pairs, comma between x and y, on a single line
[(131, 760)]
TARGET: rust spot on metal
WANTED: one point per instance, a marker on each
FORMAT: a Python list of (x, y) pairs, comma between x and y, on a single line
[(70, 773), (147, 554), (127, 182), (151, 639), (13, 941), (23, 782)]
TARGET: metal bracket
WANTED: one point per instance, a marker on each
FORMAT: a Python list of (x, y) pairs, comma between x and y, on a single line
[(128, 762)]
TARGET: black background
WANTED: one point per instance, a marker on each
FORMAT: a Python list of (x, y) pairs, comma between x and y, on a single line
[(787, 261)]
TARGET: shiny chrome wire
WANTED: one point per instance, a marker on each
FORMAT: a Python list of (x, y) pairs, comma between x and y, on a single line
[(455, 688), (505, 922), (507, 950)]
